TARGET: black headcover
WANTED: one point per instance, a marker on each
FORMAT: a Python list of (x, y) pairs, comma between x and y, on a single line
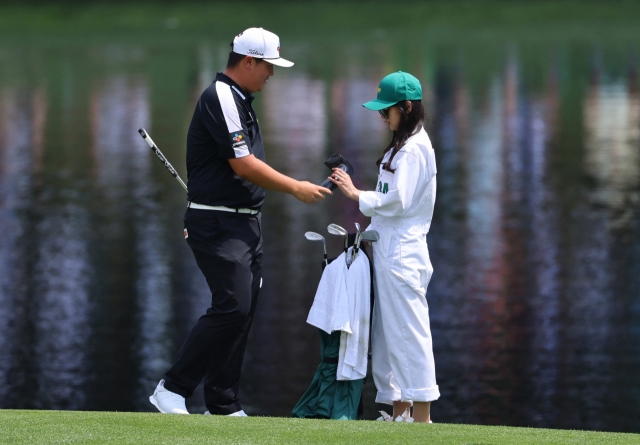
[(336, 161)]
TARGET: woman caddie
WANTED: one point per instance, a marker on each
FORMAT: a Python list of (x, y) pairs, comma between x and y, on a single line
[(401, 208)]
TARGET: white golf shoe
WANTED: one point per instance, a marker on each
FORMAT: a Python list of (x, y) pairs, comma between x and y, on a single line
[(168, 402), (404, 417), (240, 413)]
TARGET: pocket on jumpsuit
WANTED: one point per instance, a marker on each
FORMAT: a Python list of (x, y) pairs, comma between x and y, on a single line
[(410, 261)]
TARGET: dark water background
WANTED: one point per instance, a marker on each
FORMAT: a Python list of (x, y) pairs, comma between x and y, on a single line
[(535, 242)]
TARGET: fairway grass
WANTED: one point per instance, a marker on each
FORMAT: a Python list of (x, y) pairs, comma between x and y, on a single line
[(53, 427)]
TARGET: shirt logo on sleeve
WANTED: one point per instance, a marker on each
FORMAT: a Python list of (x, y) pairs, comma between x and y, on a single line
[(238, 141), (383, 188)]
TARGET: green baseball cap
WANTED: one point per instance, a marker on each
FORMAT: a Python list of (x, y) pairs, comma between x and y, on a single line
[(394, 88)]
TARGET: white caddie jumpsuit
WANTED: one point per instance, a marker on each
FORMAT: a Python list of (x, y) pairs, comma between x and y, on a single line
[(401, 209)]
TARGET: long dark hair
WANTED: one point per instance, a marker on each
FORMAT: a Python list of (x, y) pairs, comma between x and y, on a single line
[(410, 124)]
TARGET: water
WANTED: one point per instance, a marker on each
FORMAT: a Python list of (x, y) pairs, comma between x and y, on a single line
[(535, 299)]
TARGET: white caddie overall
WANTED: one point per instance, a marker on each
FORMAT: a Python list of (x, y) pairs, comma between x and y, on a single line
[(401, 209)]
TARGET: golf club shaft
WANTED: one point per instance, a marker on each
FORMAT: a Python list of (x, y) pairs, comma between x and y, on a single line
[(160, 156), (359, 242), (356, 243)]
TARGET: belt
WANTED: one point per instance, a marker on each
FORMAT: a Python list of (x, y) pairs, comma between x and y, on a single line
[(193, 205)]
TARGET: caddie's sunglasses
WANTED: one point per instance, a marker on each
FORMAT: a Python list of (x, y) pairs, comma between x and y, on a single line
[(384, 113)]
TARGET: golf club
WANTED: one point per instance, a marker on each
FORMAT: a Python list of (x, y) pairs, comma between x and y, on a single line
[(313, 236), (356, 242), (160, 156), (335, 229), (370, 236), (336, 161)]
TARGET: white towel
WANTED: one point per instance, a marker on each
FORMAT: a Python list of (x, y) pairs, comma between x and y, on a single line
[(342, 303), (330, 309), (354, 346)]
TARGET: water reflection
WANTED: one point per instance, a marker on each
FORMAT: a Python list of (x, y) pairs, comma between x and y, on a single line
[(544, 309), (484, 307), (534, 239), (61, 309), (124, 176), (16, 179), (612, 130)]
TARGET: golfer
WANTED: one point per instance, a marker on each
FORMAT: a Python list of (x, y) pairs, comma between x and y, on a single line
[(401, 208), (227, 177)]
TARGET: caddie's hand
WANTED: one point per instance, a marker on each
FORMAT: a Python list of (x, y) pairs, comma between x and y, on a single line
[(343, 181), (310, 193)]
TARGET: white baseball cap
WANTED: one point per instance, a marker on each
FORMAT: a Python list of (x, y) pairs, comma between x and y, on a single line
[(261, 44)]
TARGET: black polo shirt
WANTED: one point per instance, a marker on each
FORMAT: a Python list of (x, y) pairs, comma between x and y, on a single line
[(224, 126)]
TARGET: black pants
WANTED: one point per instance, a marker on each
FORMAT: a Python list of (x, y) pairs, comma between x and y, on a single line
[(228, 250)]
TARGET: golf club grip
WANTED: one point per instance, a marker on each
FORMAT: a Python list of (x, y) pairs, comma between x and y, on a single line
[(330, 185), (160, 156)]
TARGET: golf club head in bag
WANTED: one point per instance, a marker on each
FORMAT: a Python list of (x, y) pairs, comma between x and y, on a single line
[(369, 236), (335, 229), (313, 236), (336, 161)]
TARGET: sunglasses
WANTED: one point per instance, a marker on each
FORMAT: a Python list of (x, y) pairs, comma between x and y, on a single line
[(384, 113)]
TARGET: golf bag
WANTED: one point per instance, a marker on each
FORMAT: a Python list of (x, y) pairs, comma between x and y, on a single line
[(327, 397)]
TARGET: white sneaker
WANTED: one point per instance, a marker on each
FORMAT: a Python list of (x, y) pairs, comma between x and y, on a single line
[(166, 401), (240, 413), (404, 417)]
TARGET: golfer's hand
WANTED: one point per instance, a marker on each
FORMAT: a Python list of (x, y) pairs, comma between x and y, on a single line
[(343, 181), (310, 193)]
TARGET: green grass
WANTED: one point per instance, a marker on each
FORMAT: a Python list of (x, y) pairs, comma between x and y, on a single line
[(52, 427)]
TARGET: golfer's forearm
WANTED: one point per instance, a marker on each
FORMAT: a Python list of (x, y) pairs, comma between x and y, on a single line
[(259, 173)]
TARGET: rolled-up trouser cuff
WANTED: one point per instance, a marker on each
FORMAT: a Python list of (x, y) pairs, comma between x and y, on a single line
[(420, 395), (408, 395), (388, 397)]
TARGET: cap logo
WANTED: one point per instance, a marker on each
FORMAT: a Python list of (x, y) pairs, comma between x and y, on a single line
[(255, 53), (278, 49)]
